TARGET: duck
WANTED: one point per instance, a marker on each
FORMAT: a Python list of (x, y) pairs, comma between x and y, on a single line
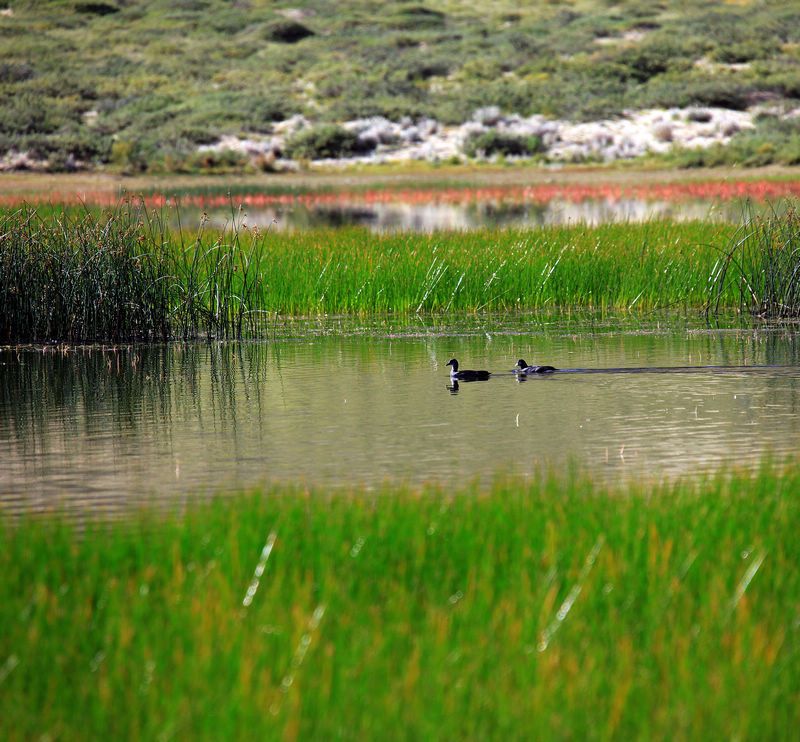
[(523, 368), (466, 374)]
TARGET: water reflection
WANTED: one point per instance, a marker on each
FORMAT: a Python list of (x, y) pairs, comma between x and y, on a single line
[(95, 429), (431, 217)]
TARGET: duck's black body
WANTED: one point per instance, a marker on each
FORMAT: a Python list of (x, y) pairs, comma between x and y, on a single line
[(466, 374), (524, 368)]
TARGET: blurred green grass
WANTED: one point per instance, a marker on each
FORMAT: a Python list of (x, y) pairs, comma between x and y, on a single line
[(552, 608)]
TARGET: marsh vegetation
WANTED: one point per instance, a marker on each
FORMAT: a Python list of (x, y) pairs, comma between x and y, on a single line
[(136, 274), (547, 608)]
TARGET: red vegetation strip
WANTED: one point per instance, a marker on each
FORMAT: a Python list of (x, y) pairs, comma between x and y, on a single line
[(758, 190)]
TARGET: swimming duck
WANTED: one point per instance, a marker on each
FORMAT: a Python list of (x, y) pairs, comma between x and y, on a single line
[(466, 374), (523, 368)]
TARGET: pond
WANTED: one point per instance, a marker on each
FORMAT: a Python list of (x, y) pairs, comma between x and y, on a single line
[(492, 205), (431, 217), (427, 203), (101, 430)]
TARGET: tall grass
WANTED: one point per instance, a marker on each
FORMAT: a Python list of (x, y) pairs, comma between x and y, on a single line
[(538, 610), (658, 264), (760, 265), (138, 274), (121, 275)]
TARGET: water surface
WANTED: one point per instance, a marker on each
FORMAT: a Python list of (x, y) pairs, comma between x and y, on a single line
[(101, 429)]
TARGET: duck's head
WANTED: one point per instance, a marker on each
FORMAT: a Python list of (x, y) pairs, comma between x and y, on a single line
[(454, 363), (521, 363)]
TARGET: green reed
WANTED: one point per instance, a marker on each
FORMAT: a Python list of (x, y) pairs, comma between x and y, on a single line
[(134, 274), (760, 265), (121, 275), (541, 609), (632, 267)]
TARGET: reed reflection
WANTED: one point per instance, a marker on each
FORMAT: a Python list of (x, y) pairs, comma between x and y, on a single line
[(104, 429)]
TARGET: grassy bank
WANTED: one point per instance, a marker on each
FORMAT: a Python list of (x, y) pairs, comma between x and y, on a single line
[(138, 86), (129, 274), (536, 610)]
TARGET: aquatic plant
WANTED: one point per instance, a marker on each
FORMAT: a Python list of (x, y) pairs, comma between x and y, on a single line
[(540, 609), (761, 266), (77, 275), (134, 273), (622, 266)]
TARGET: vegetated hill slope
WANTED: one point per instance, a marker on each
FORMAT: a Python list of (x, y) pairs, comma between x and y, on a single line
[(144, 83)]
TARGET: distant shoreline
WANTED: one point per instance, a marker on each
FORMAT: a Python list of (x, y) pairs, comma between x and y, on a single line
[(362, 177)]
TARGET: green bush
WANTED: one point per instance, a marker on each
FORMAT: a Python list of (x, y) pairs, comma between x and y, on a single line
[(745, 51), (416, 17), (328, 141), (493, 142), (15, 72), (722, 91), (96, 8), (646, 60), (29, 114), (128, 157)]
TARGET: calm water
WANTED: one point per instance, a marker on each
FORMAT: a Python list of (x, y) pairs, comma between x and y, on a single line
[(430, 217), (107, 429)]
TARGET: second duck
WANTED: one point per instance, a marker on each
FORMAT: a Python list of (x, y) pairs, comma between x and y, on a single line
[(522, 367)]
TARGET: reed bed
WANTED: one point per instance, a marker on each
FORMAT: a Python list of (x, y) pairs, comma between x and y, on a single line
[(629, 267), (136, 274), (535, 609), (760, 265), (82, 275)]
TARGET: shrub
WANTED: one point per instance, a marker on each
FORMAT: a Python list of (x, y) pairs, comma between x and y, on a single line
[(127, 156), (328, 141), (772, 141), (493, 142), (221, 161), (96, 8), (287, 32), (11, 72), (417, 17), (723, 91), (743, 52), (647, 60), (29, 114)]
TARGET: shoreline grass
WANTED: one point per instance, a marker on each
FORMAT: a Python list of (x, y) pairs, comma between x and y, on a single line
[(761, 263), (134, 274), (541, 609), (121, 275)]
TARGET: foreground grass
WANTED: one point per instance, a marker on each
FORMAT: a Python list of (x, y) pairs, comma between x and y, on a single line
[(128, 274), (531, 610)]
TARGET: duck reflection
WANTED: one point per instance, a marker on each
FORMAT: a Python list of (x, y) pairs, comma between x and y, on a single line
[(452, 387)]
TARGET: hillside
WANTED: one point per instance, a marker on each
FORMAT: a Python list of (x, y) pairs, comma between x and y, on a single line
[(140, 86)]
